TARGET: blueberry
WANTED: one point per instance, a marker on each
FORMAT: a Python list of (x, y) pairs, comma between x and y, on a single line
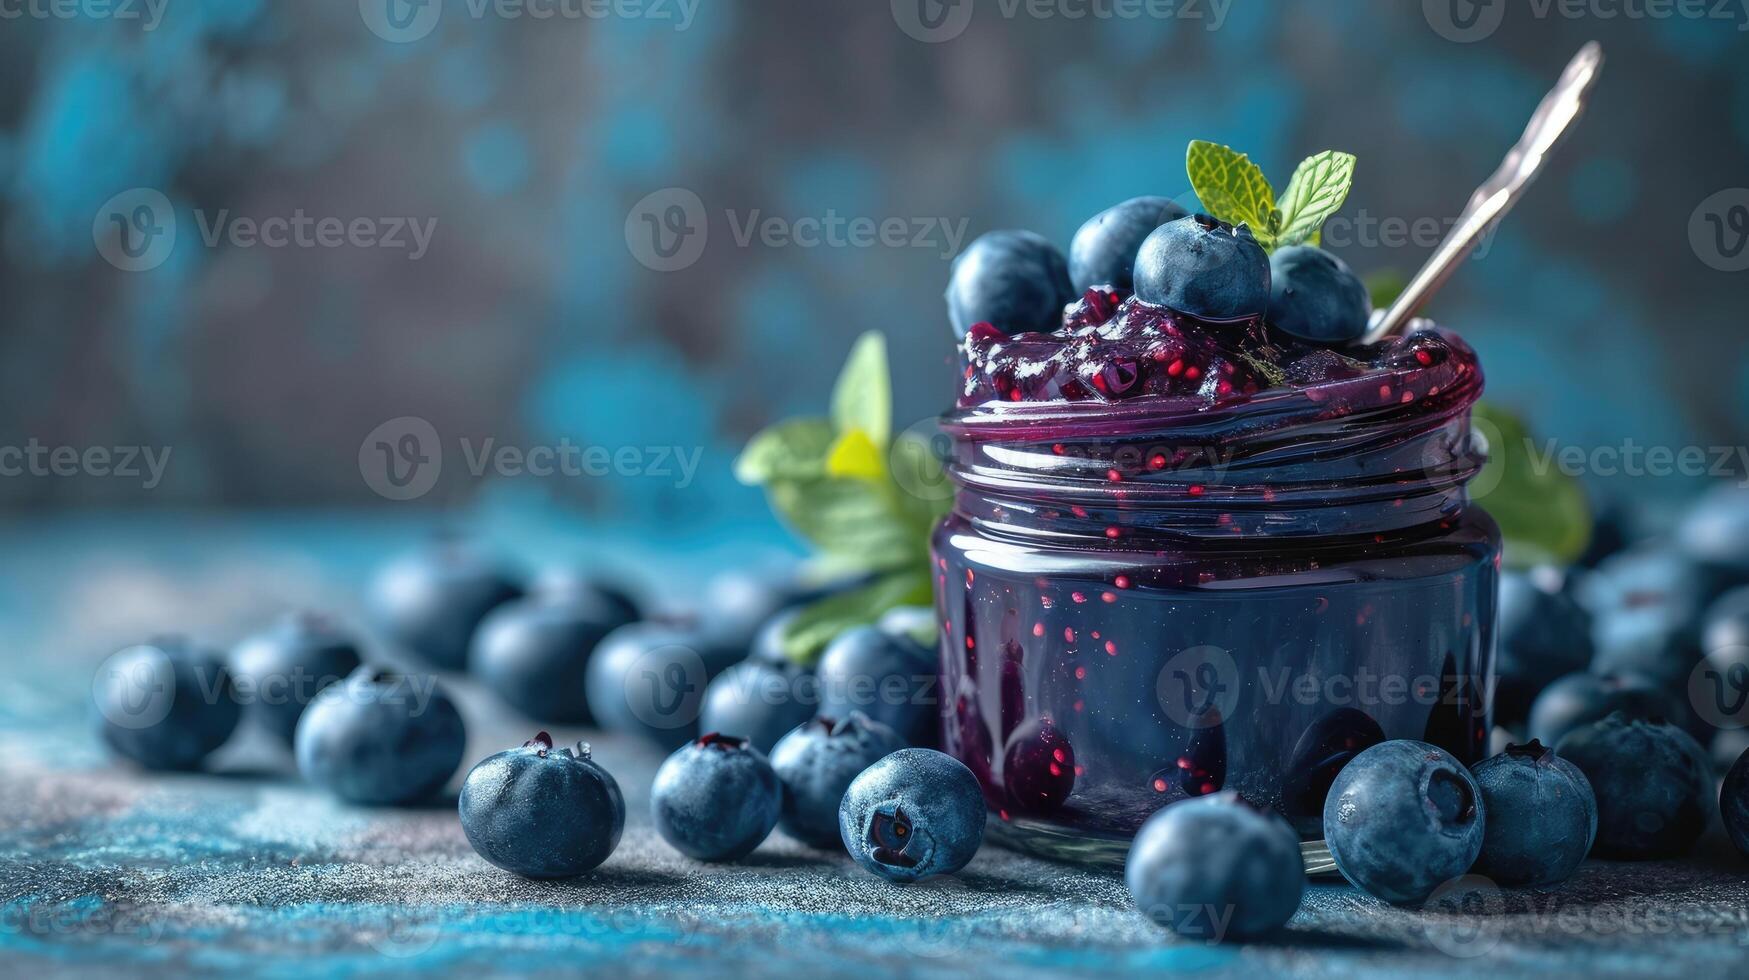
[(649, 678), (890, 678), (1104, 250), (563, 582), (431, 602), (379, 738), (542, 813), (1653, 781), (1578, 700), (1315, 297), (816, 763), (1205, 268), (913, 814), (1216, 868), (716, 798), (1647, 606), (1402, 819), (759, 701), (1038, 767), (284, 667), (535, 652), (1014, 280), (1715, 533), (1543, 634), (1542, 816), (166, 704), (1734, 804)]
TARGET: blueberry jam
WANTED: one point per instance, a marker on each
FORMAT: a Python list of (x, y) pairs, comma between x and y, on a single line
[(1189, 556)]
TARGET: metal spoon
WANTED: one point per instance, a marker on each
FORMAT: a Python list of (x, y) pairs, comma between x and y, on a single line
[(1553, 118)]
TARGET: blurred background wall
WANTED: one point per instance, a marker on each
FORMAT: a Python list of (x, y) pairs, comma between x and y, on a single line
[(556, 160)]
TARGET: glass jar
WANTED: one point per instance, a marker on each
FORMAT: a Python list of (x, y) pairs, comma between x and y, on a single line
[(1151, 600)]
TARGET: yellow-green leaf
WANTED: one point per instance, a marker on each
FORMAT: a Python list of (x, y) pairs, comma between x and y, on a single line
[(795, 449), (863, 397), (856, 456)]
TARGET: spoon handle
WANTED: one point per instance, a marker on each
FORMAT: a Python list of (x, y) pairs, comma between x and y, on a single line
[(1551, 122)]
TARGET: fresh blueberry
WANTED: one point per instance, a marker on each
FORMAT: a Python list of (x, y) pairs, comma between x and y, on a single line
[(1654, 785), (379, 738), (1542, 816), (283, 668), (1578, 700), (1204, 267), (166, 704), (1543, 634), (1216, 868), (1734, 804), (431, 602), (564, 582), (816, 764), (913, 814), (1715, 533), (1647, 606), (1014, 280), (716, 798), (1402, 819), (542, 813), (1315, 297), (889, 677), (758, 700), (1038, 767), (649, 678), (1104, 250), (535, 652)]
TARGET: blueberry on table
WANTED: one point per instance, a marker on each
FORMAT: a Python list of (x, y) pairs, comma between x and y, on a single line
[(1654, 785), (380, 738), (1543, 634), (430, 602), (1103, 252), (887, 676), (534, 653), (1734, 804), (166, 704), (1315, 297), (758, 700), (649, 678), (914, 814), (1579, 699), (1647, 606), (1015, 281), (542, 812), (285, 666), (816, 764), (1216, 868), (1402, 819), (1542, 816), (1204, 267), (716, 798)]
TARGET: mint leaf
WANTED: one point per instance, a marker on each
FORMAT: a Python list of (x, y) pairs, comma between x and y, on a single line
[(860, 522), (1542, 512), (1233, 189), (855, 455), (1318, 188), (806, 635), (796, 449), (863, 397)]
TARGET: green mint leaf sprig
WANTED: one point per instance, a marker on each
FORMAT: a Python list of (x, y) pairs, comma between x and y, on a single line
[(1235, 190), (831, 481)]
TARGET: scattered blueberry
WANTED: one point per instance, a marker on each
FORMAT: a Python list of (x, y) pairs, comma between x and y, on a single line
[(1216, 868), (431, 602), (816, 764), (1647, 606), (1314, 296), (1715, 533), (1579, 699), (379, 738), (1014, 280), (913, 814), (1402, 819), (1734, 804), (649, 678), (759, 700), (1104, 250), (1654, 785), (716, 798), (284, 667), (889, 677), (535, 652), (1543, 634), (166, 704), (1204, 267), (1542, 816), (542, 813), (1038, 767)]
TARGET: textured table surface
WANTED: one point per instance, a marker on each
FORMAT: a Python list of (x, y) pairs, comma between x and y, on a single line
[(244, 870)]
